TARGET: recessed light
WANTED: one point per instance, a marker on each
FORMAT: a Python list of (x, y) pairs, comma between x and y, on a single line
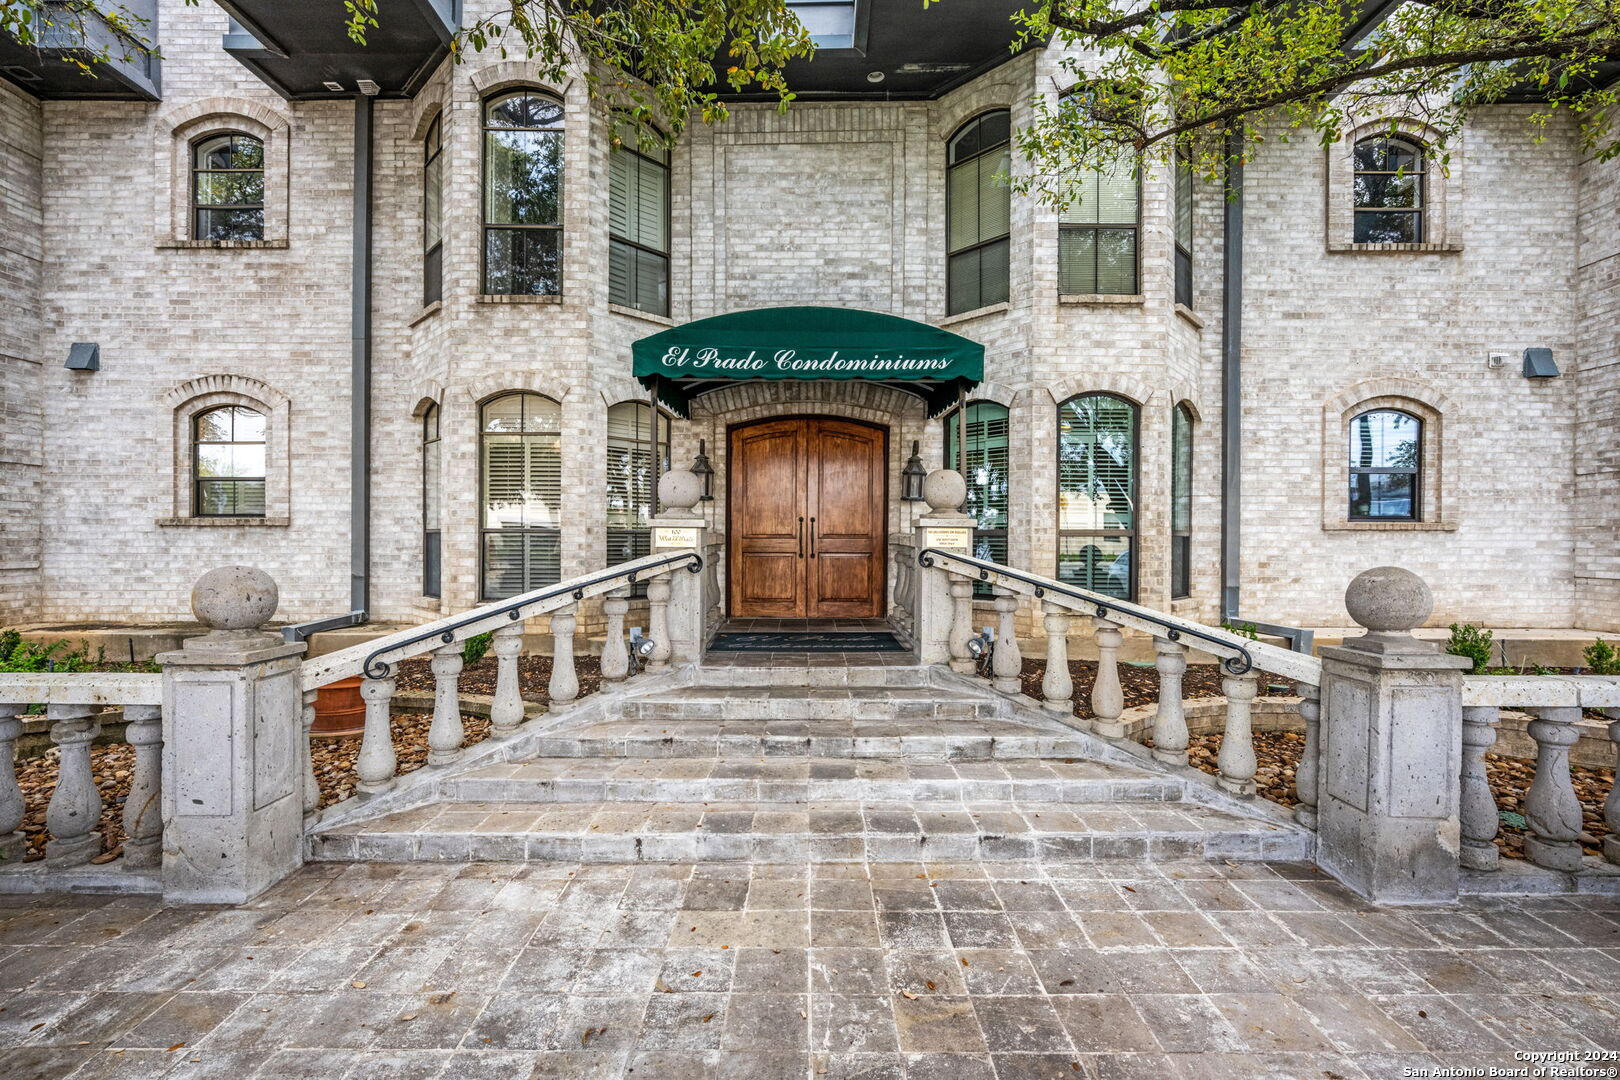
[(335, 87), (874, 76)]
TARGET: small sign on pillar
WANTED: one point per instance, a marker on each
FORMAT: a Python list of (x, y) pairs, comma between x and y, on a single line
[(667, 536), (948, 539)]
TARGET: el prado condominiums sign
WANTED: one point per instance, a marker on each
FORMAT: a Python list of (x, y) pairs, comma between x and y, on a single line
[(707, 362)]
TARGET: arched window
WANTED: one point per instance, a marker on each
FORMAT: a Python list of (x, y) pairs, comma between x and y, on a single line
[(1097, 494), (638, 224), (1389, 195), (227, 188), (432, 497), (1181, 478), (521, 455), (228, 462), (979, 212), (523, 172), (433, 214), (631, 450), (1097, 239), (986, 469), (1386, 460)]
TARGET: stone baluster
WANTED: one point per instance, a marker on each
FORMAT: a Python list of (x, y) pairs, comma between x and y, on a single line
[(1170, 717), (615, 656), (1107, 699), (143, 806), (1611, 805), (1309, 768), (1477, 806), (1236, 760), (75, 805), (1057, 685), (1007, 663), (446, 734), (378, 762), (1552, 812), (564, 686), (961, 624), (658, 590), (506, 711), (311, 783), (12, 841)]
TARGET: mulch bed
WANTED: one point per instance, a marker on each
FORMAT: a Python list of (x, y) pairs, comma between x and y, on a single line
[(534, 676), (335, 759)]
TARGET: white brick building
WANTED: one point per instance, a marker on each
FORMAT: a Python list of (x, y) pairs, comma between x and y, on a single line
[(840, 202)]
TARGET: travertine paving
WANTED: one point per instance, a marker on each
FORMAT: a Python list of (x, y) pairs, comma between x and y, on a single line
[(808, 970)]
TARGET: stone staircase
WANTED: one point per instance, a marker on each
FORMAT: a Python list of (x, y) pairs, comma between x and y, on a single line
[(787, 763)]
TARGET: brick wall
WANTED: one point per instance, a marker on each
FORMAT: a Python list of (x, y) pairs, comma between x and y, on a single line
[(21, 418)]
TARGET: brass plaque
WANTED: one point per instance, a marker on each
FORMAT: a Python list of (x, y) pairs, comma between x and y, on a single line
[(949, 540), (669, 537)]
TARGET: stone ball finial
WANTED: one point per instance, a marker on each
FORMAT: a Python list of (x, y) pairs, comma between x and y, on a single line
[(235, 598), (944, 489), (1388, 599), (680, 489)]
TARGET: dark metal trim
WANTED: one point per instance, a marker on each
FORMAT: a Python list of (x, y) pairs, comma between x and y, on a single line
[(1232, 380), (305, 630), (1234, 665), (360, 366), (373, 669)]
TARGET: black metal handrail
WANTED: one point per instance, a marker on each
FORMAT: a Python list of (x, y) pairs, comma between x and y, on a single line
[(1241, 664), (375, 669)]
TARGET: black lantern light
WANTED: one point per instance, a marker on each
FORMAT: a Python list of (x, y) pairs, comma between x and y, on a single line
[(704, 471), (911, 477)]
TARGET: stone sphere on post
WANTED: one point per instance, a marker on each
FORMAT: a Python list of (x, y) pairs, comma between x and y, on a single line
[(1388, 600), (234, 601), (680, 490), (944, 490)]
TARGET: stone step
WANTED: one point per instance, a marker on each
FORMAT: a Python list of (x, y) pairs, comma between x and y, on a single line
[(766, 673), (626, 832), (802, 780), (911, 740), (808, 703)]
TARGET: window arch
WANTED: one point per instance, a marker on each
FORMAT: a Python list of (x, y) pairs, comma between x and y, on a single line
[(632, 450), (1386, 466), (432, 501), (1097, 482), (227, 188), (638, 227), (228, 462), (1181, 478), (1388, 190), (520, 454), (523, 175), (987, 469), (978, 211), (433, 212)]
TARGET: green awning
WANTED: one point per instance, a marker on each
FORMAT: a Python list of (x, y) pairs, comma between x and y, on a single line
[(808, 343)]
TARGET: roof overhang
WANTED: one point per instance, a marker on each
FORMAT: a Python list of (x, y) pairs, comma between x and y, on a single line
[(47, 69)]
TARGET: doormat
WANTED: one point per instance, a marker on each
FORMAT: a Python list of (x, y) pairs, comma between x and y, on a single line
[(859, 641)]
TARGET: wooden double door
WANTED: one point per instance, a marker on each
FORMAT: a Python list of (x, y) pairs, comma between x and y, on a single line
[(807, 533)]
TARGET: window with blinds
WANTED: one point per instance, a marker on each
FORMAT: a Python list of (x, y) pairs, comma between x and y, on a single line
[(1097, 494), (432, 499), (433, 213), (1181, 477), (1386, 462), (523, 171), (979, 212), (1184, 231), (631, 451), (228, 462), (521, 452), (1097, 233), (638, 226), (986, 469)]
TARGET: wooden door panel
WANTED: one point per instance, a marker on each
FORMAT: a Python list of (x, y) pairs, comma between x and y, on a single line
[(848, 466), (843, 577), (769, 579), (767, 512)]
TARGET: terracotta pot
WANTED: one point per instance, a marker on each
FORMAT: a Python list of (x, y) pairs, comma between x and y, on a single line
[(339, 709)]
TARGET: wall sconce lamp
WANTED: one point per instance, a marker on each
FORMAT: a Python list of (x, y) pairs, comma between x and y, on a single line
[(84, 356), (704, 471), (911, 477)]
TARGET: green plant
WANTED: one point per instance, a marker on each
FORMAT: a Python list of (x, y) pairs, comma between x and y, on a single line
[(1473, 642), (26, 656), (1602, 658), (474, 648), (1243, 629)]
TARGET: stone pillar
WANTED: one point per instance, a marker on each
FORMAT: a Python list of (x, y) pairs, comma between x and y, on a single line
[(75, 806), (1611, 805), (1107, 696), (564, 685), (506, 711), (233, 769), (682, 526), (143, 812), (945, 527), (1057, 685), (12, 842), (1170, 737), (1391, 730), (1007, 662), (1477, 808), (615, 656)]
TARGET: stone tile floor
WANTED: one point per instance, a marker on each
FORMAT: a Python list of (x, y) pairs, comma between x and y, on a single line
[(826, 971)]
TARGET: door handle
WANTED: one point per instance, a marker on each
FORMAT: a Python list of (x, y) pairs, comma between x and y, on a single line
[(801, 537), (812, 538)]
